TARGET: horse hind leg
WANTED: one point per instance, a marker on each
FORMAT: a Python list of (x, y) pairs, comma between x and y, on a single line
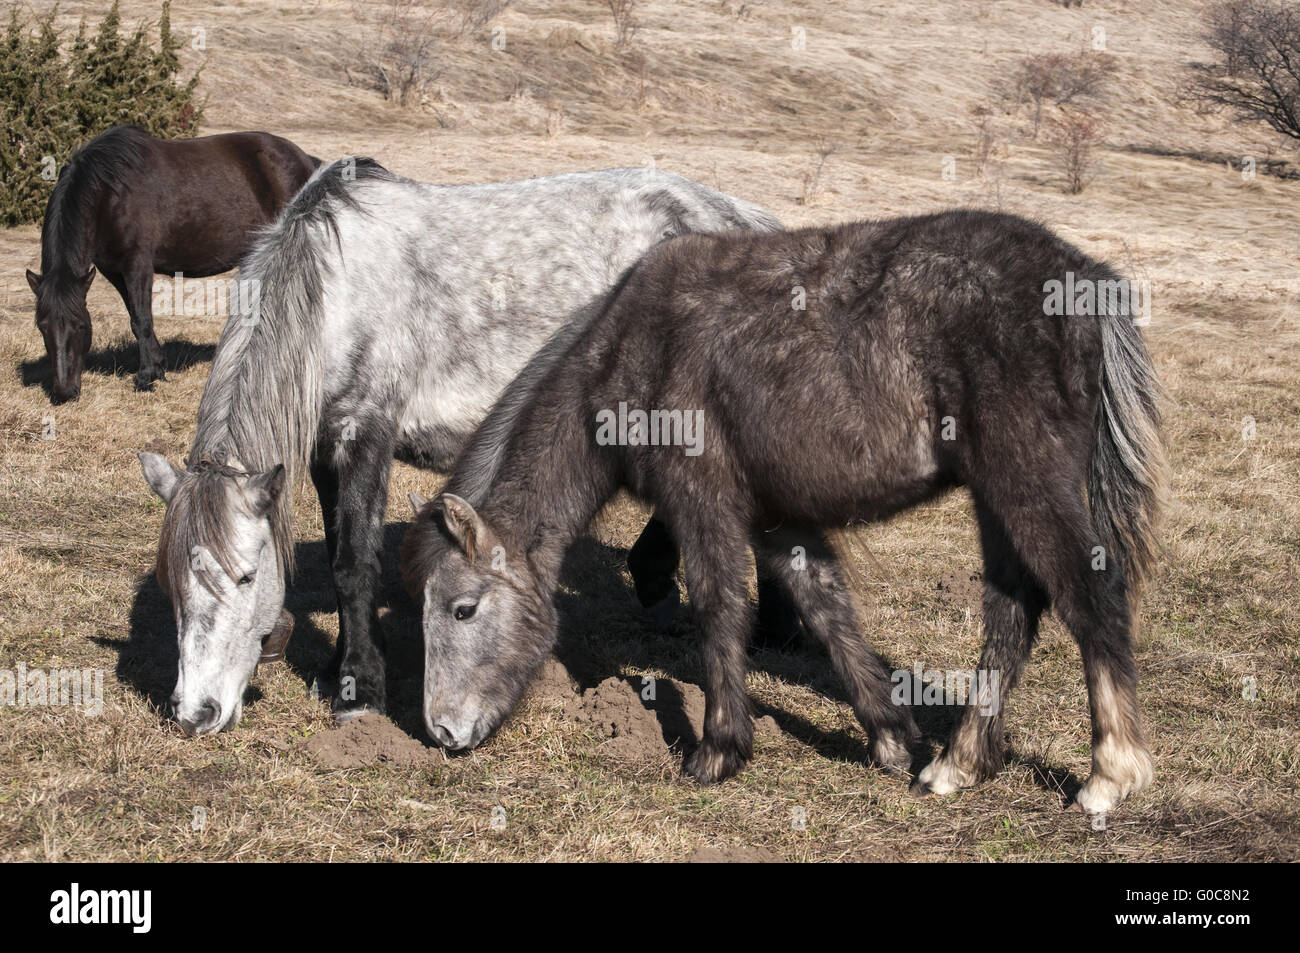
[(806, 568), (1051, 530), (1013, 604)]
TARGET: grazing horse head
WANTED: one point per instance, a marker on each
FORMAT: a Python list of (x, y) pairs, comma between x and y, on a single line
[(488, 625), (64, 323), (221, 559)]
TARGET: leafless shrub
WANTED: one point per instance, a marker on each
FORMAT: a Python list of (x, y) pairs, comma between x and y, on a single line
[(1257, 74), (812, 180), (398, 40), (739, 9), (470, 16), (1061, 79), (1072, 135), (625, 21)]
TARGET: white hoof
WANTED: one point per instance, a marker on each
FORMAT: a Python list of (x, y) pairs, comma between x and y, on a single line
[(943, 777), (1117, 772)]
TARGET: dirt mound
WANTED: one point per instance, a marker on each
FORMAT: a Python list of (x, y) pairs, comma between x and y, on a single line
[(370, 739), (641, 717), (553, 683), (961, 589), (734, 855)]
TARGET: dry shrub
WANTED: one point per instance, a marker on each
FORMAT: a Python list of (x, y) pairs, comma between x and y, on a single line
[(1072, 135), (1257, 75), (625, 21), (398, 42), (1061, 79)]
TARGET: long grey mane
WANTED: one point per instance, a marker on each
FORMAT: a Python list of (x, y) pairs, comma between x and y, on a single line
[(262, 403)]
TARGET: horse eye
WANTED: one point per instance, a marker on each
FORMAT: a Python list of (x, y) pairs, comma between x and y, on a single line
[(245, 579), (465, 612)]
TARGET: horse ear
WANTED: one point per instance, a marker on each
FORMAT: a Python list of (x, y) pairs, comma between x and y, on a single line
[(417, 503), (160, 474), (88, 277), (464, 525), (264, 488), (34, 280)]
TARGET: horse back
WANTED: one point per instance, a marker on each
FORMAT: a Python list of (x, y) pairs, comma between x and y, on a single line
[(194, 205), (849, 373)]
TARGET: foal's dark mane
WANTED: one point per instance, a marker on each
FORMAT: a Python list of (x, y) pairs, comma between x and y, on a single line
[(102, 165)]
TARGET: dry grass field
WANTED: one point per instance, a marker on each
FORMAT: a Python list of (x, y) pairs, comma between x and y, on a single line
[(714, 91)]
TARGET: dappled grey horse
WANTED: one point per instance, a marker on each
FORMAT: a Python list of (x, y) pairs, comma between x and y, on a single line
[(391, 315)]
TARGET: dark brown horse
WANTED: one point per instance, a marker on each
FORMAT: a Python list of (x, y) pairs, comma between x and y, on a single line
[(761, 389), (134, 206)]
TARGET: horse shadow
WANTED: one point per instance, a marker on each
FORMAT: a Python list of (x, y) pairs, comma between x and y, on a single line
[(120, 359), (603, 633)]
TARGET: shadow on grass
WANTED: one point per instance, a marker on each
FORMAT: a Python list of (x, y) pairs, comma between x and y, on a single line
[(121, 359), (603, 632)]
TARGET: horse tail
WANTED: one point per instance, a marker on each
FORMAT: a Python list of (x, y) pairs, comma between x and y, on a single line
[(1128, 474)]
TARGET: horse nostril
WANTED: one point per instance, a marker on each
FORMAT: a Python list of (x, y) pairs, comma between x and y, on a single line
[(208, 715), (174, 701), (443, 736)]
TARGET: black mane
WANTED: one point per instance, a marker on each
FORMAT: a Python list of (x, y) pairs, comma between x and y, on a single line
[(103, 163)]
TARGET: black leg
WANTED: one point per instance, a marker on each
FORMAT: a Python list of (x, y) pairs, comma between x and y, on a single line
[(136, 288), (362, 497), (326, 480)]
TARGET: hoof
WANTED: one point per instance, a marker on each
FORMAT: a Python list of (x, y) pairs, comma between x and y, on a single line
[(942, 777), (891, 753), (710, 764)]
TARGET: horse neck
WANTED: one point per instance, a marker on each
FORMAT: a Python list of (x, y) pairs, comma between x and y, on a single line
[(68, 235), (262, 403), (552, 482)]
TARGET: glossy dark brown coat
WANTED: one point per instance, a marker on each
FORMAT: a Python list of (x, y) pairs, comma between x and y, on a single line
[(134, 206)]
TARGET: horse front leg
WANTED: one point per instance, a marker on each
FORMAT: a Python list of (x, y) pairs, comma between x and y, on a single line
[(136, 288), (325, 477), (364, 459), (714, 553)]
